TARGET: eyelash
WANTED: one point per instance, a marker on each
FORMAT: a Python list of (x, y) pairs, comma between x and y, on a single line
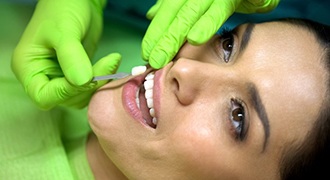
[(238, 119), (226, 36), (237, 114)]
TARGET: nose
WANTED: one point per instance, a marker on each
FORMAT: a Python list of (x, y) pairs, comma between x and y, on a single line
[(190, 78)]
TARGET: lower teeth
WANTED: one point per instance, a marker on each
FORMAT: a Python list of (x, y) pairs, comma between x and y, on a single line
[(154, 121), (137, 100)]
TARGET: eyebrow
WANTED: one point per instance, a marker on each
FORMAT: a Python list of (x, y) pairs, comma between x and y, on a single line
[(246, 37), (253, 91), (261, 111)]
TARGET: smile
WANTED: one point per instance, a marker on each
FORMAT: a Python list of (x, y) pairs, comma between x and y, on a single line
[(138, 98), (145, 102)]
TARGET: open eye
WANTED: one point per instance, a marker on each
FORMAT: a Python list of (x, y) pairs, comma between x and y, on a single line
[(237, 118), (227, 46)]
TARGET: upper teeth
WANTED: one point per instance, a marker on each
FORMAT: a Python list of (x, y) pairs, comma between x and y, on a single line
[(148, 86)]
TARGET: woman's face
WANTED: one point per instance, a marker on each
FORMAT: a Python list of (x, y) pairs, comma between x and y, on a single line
[(226, 109)]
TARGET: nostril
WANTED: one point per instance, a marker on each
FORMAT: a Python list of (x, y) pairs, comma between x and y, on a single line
[(183, 95), (175, 85), (183, 80)]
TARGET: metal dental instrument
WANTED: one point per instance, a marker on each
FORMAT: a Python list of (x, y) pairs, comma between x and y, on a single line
[(135, 71), (111, 76)]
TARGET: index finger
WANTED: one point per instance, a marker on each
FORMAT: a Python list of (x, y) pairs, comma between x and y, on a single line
[(74, 61), (172, 40), (165, 15)]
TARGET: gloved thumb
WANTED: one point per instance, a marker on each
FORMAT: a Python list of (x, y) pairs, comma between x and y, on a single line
[(107, 65)]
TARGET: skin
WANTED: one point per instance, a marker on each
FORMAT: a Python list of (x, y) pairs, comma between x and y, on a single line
[(194, 138)]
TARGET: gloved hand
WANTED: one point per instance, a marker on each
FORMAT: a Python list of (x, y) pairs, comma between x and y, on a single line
[(175, 21), (79, 98), (52, 58)]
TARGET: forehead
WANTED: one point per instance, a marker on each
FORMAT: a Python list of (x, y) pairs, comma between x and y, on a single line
[(285, 63)]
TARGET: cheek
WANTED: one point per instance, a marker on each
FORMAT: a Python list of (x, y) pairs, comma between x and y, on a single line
[(196, 144), (95, 109), (197, 147), (101, 111)]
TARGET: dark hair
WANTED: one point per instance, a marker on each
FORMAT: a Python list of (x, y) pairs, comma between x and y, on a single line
[(310, 160)]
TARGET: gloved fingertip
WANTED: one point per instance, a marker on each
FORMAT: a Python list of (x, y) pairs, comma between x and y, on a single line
[(194, 42), (79, 76), (115, 59), (153, 10), (92, 84), (88, 86), (150, 14), (143, 56), (145, 50), (196, 38), (80, 80), (156, 64), (115, 56)]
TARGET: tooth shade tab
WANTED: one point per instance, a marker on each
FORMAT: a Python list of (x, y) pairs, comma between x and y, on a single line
[(138, 70)]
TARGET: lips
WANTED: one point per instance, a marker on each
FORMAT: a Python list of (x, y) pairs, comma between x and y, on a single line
[(138, 99)]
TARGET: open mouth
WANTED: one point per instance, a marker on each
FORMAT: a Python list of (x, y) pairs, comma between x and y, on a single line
[(144, 100)]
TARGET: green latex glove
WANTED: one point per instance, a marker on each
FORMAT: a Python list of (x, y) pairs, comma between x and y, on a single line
[(80, 97), (175, 21), (52, 58)]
